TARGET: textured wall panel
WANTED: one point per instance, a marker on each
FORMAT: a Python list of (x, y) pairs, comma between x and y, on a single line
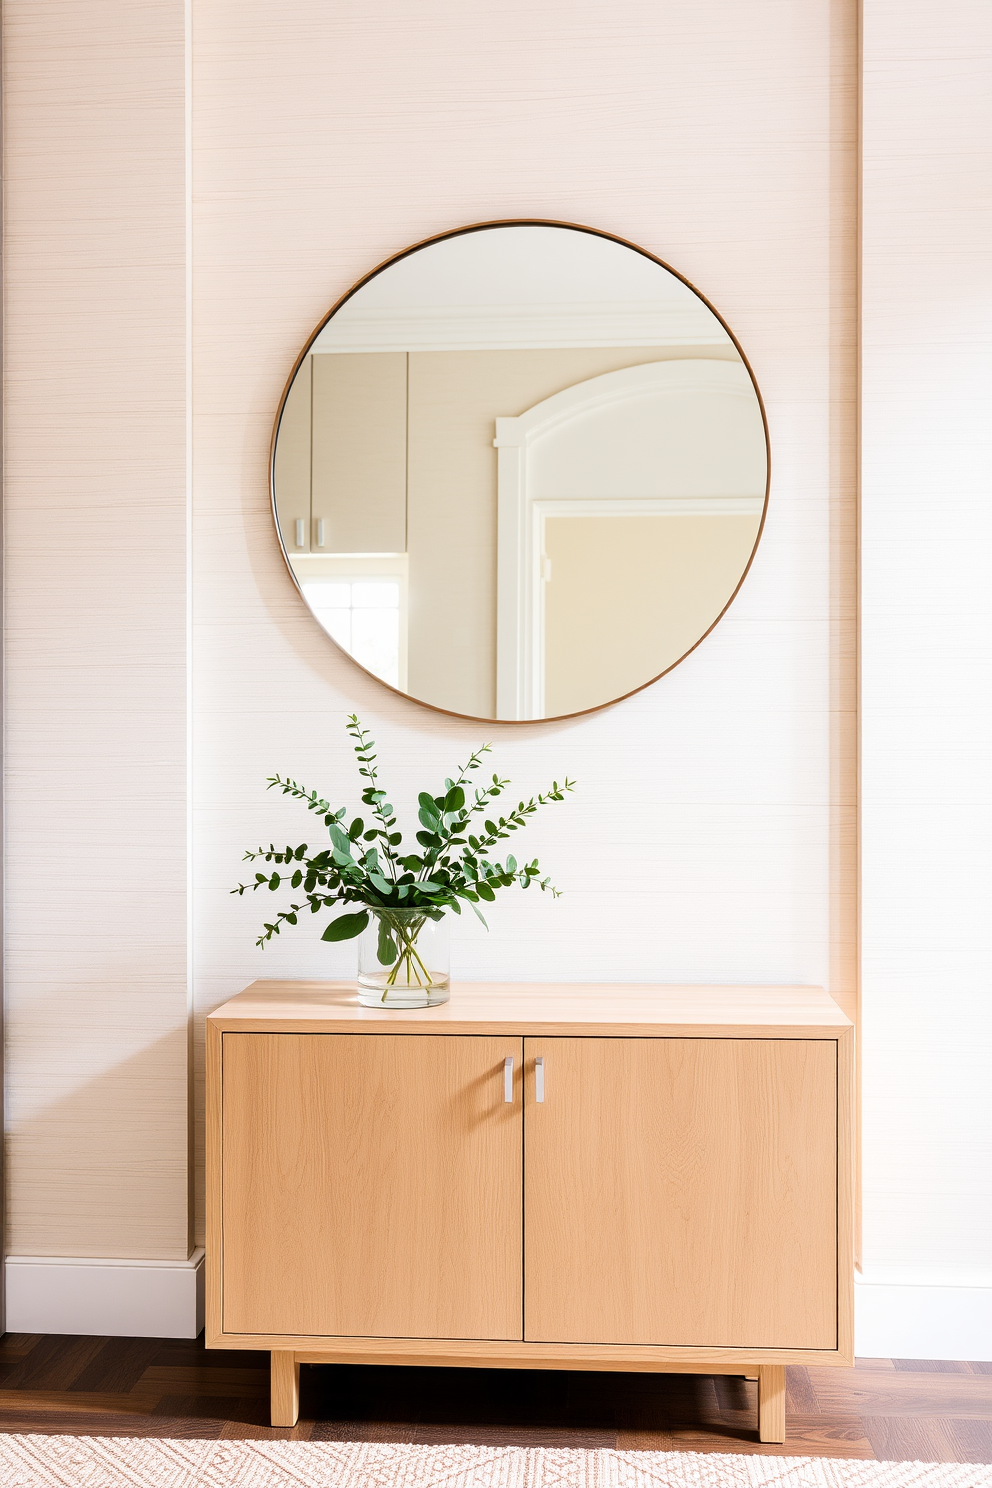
[(927, 643), (712, 836), (95, 475)]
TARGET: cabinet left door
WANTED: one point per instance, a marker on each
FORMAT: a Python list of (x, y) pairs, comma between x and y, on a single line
[(371, 1185)]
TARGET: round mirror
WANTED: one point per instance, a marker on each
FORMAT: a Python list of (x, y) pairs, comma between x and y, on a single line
[(520, 471)]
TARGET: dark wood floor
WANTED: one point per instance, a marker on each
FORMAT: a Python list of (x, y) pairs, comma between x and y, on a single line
[(897, 1409)]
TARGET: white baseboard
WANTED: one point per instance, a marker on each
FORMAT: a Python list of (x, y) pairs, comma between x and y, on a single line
[(895, 1320), (164, 1299), (126, 1299)]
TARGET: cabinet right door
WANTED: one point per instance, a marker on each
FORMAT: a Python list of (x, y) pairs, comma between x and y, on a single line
[(681, 1192)]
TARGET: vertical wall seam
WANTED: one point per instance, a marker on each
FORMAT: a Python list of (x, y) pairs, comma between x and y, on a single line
[(188, 331)]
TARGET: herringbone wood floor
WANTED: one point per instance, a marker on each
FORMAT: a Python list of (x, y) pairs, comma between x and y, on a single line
[(901, 1409)]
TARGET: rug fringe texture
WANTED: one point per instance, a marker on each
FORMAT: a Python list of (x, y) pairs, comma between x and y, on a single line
[(131, 1462)]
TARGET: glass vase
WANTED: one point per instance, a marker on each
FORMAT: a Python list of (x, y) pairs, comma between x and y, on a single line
[(403, 958)]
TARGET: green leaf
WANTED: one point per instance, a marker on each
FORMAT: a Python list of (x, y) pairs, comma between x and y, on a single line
[(485, 892), (386, 948), (378, 882), (455, 799), (341, 840), (426, 803), (274, 881), (347, 926), (428, 818)]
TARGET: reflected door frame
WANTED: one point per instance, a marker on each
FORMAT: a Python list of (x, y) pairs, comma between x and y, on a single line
[(521, 566)]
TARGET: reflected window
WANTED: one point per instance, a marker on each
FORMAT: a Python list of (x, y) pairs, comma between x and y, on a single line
[(364, 611)]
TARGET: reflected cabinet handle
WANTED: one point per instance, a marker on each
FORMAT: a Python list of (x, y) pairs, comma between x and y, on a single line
[(320, 532), (539, 1078), (299, 532), (508, 1079)]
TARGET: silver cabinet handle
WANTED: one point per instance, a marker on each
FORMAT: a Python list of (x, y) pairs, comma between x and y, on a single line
[(539, 1078), (320, 532), (299, 532), (508, 1079)]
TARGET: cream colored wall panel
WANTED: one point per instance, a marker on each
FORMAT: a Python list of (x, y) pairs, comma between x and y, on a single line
[(359, 452), (327, 138), (661, 580), (927, 652), (95, 490)]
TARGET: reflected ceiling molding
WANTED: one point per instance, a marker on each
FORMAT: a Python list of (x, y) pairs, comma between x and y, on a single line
[(520, 327)]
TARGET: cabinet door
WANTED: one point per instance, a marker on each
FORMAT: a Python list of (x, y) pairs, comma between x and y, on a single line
[(371, 1186), (359, 452), (682, 1192)]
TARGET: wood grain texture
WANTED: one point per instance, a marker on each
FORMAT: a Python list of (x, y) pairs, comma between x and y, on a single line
[(771, 1403), (371, 1185), (95, 476), (284, 1400), (467, 1353), (927, 639), (562, 1008), (326, 138), (305, 1118), (682, 1192), (173, 1388)]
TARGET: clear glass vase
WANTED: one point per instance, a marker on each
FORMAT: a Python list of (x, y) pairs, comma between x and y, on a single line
[(403, 959)]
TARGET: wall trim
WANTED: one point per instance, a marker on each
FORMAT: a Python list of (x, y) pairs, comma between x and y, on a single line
[(105, 1297), (912, 1320)]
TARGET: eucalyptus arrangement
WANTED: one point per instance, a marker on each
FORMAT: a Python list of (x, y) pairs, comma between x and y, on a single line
[(403, 897)]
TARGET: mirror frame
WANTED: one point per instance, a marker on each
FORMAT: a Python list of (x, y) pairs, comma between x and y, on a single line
[(458, 232)]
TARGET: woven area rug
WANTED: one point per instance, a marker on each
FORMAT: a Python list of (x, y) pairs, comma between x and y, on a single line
[(131, 1462)]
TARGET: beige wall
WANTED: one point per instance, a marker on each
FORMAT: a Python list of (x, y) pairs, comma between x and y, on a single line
[(95, 481), (629, 595), (325, 138), (927, 659)]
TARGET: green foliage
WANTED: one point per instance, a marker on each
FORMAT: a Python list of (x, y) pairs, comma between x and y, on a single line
[(366, 864)]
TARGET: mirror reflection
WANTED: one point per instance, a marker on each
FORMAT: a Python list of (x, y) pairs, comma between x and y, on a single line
[(520, 472)]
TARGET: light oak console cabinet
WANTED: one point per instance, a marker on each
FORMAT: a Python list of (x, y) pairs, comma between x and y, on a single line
[(543, 1177)]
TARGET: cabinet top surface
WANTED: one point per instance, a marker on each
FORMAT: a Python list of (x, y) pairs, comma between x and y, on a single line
[(549, 1009)]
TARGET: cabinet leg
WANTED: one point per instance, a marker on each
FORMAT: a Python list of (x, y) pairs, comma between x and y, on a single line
[(771, 1402), (285, 1388)]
